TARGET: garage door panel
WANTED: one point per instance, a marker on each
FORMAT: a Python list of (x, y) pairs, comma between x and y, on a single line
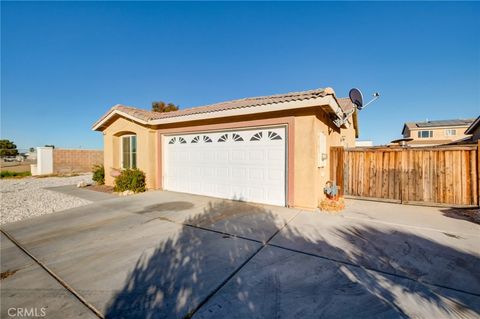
[(247, 165), (256, 194), (238, 155), (223, 173), (276, 154), (222, 156), (256, 155), (239, 172), (208, 172), (256, 174), (276, 175)]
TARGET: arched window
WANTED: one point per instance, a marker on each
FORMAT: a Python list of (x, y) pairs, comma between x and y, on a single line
[(129, 151)]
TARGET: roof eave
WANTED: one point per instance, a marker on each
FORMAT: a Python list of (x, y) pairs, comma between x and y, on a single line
[(98, 125), (328, 103), (473, 126)]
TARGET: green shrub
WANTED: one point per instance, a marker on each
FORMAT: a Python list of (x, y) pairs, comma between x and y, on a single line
[(98, 174), (10, 174), (130, 179)]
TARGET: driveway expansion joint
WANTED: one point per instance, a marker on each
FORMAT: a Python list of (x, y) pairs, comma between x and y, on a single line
[(54, 276), (236, 271), (347, 263)]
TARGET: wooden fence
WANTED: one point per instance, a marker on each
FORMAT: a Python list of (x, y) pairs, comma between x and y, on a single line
[(446, 175)]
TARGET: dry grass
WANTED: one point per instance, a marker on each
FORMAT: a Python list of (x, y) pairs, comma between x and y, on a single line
[(331, 205)]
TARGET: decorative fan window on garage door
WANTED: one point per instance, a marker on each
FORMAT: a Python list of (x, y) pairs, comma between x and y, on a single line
[(195, 139), (223, 138), (237, 138), (274, 136), (180, 140), (129, 151), (257, 136)]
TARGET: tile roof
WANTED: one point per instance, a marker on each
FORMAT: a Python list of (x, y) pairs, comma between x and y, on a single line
[(247, 102), (146, 115)]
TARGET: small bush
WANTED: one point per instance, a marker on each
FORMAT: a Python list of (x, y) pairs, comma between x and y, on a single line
[(130, 179), (98, 174), (10, 174)]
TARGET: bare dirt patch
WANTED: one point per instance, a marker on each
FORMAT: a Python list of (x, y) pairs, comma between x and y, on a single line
[(100, 188)]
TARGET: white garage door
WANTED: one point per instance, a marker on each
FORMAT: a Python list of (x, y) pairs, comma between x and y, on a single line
[(245, 165)]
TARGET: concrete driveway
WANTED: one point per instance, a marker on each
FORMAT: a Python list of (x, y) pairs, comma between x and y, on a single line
[(171, 255)]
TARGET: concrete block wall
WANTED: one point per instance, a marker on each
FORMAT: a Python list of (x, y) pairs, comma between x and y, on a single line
[(76, 160)]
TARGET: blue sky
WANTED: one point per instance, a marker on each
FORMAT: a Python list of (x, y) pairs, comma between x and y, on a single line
[(63, 64)]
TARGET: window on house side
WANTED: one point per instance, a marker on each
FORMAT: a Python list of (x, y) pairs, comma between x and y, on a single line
[(450, 132), (129, 151), (425, 134)]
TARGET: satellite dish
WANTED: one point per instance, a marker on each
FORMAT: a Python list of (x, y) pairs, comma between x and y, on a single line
[(356, 97)]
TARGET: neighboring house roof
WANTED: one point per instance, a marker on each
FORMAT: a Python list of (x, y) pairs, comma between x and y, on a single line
[(438, 123), (473, 126), (428, 142), (288, 100), (464, 141)]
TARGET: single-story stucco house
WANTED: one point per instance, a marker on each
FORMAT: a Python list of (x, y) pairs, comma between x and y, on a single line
[(269, 149)]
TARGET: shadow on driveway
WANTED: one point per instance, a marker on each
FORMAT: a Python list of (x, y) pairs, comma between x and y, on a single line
[(469, 214), (182, 279)]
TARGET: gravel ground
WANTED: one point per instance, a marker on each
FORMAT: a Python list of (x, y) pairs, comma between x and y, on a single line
[(25, 198)]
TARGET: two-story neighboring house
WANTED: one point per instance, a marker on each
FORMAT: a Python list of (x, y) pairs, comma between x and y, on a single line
[(431, 133)]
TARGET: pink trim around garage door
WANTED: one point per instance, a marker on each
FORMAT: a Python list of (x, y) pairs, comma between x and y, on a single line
[(289, 122)]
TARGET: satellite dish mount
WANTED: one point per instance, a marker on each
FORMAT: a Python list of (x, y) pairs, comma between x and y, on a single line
[(356, 97)]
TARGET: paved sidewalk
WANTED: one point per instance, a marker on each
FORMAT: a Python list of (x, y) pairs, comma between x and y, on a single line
[(30, 287), (82, 193)]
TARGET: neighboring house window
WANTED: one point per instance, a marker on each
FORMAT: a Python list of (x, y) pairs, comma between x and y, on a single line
[(450, 132), (425, 134), (129, 151)]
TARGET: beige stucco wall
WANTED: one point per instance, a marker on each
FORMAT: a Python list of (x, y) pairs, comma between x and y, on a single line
[(438, 133), (308, 181), (305, 181), (146, 149)]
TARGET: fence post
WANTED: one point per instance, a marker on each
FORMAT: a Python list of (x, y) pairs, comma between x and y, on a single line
[(478, 172), (403, 154), (345, 169)]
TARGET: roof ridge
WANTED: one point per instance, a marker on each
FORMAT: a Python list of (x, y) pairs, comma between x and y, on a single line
[(148, 115)]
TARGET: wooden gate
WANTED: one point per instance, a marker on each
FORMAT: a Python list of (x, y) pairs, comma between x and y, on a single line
[(437, 175)]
